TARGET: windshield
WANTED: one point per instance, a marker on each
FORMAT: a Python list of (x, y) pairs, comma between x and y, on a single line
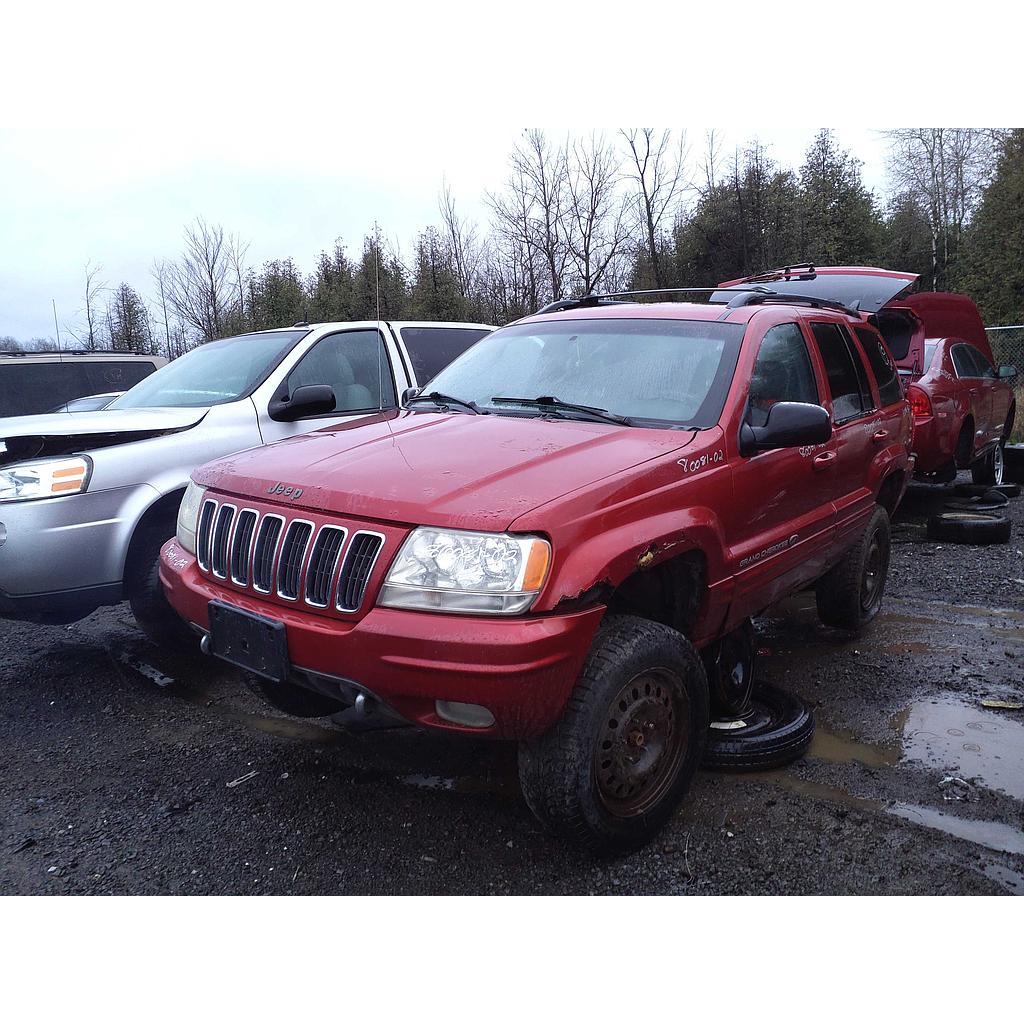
[(214, 373), (655, 371)]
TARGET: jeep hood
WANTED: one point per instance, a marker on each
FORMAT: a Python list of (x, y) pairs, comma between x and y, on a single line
[(62, 433), (434, 469)]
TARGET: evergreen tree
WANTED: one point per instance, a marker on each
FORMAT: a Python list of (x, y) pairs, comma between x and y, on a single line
[(435, 289), (993, 270), (840, 222), (128, 322), (276, 297), (330, 287)]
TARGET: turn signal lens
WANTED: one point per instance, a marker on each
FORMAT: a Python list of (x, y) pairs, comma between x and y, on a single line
[(920, 404)]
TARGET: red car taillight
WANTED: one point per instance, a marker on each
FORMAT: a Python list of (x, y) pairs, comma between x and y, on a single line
[(920, 403)]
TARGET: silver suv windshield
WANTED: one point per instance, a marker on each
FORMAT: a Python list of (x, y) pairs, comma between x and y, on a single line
[(652, 371), (213, 374)]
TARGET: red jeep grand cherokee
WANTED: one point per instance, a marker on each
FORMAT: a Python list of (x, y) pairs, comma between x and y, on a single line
[(538, 545), (963, 406)]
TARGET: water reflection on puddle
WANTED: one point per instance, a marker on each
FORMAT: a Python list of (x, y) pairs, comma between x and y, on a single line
[(949, 736)]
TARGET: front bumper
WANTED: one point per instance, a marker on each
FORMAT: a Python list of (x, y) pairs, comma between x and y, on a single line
[(67, 554), (521, 669)]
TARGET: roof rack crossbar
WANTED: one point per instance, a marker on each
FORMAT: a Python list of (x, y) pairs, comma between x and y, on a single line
[(749, 296)]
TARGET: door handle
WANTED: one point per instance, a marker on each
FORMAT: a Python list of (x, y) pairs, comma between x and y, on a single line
[(823, 461), (879, 436)]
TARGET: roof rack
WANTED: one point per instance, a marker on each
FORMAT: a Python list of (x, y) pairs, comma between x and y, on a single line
[(800, 271), (756, 294), (69, 352)]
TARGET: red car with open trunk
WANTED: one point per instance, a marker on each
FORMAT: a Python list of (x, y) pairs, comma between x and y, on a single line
[(556, 540), (963, 405)]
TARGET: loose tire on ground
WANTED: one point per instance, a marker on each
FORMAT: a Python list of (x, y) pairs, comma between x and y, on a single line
[(969, 528), (977, 490), (611, 771), (990, 501), (154, 615), (292, 699), (777, 730), (850, 594)]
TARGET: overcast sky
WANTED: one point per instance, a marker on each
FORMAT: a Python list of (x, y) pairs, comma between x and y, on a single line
[(121, 200)]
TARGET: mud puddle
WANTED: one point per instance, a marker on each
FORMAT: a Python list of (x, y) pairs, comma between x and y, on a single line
[(993, 835), (983, 747)]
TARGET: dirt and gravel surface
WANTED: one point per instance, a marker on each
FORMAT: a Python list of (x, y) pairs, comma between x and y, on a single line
[(129, 770)]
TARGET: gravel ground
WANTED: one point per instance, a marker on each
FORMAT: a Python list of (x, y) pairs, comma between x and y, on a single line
[(114, 783)]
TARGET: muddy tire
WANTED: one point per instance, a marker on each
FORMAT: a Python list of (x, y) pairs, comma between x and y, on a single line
[(729, 664), (850, 594), (292, 699), (989, 469), (777, 730), (969, 528), (611, 771), (152, 612)]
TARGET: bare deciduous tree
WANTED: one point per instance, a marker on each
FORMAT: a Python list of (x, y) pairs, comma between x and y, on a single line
[(89, 333), (531, 212), (201, 290), (658, 166), (945, 171), (464, 249), (597, 231)]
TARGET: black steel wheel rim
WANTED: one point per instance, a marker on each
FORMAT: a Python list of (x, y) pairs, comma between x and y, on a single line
[(642, 741), (874, 574)]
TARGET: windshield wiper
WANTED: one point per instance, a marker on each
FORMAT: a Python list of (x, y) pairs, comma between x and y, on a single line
[(551, 404), (442, 401)]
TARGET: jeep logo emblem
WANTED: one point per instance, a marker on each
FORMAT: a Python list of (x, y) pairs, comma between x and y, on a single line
[(288, 492)]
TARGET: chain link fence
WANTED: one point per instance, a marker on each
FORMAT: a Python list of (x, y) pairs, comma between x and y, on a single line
[(1008, 347)]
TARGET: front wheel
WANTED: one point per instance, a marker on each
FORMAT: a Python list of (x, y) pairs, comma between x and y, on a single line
[(611, 771), (849, 595), (150, 607)]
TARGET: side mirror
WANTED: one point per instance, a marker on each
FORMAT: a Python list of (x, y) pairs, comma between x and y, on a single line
[(409, 393), (790, 425), (1005, 372), (308, 400)]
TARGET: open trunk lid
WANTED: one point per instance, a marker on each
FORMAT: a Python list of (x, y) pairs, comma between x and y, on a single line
[(866, 289)]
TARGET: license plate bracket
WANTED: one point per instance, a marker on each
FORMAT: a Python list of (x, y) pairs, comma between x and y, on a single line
[(249, 641)]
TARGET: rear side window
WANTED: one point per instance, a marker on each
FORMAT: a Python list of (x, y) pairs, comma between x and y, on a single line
[(36, 387), (969, 362), (889, 390), (431, 349), (847, 381), (782, 373)]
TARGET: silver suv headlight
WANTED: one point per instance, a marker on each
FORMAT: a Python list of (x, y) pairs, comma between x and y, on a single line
[(188, 516), (467, 572), (44, 478)]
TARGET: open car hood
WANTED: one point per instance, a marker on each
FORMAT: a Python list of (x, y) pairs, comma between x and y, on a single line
[(62, 433), (948, 315), (866, 289)]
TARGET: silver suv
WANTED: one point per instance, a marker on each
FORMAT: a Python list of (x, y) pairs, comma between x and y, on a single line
[(87, 499)]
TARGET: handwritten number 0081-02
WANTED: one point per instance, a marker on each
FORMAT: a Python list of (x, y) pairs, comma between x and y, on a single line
[(702, 461)]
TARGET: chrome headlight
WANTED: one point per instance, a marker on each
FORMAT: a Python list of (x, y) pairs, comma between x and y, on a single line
[(462, 571), (44, 478), (188, 516)]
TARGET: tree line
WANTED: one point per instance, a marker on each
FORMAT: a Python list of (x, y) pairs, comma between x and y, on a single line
[(636, 209)]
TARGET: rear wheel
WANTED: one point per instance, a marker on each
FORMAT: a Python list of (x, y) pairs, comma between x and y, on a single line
[(610, 772), (989, 468), (850, 594)]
